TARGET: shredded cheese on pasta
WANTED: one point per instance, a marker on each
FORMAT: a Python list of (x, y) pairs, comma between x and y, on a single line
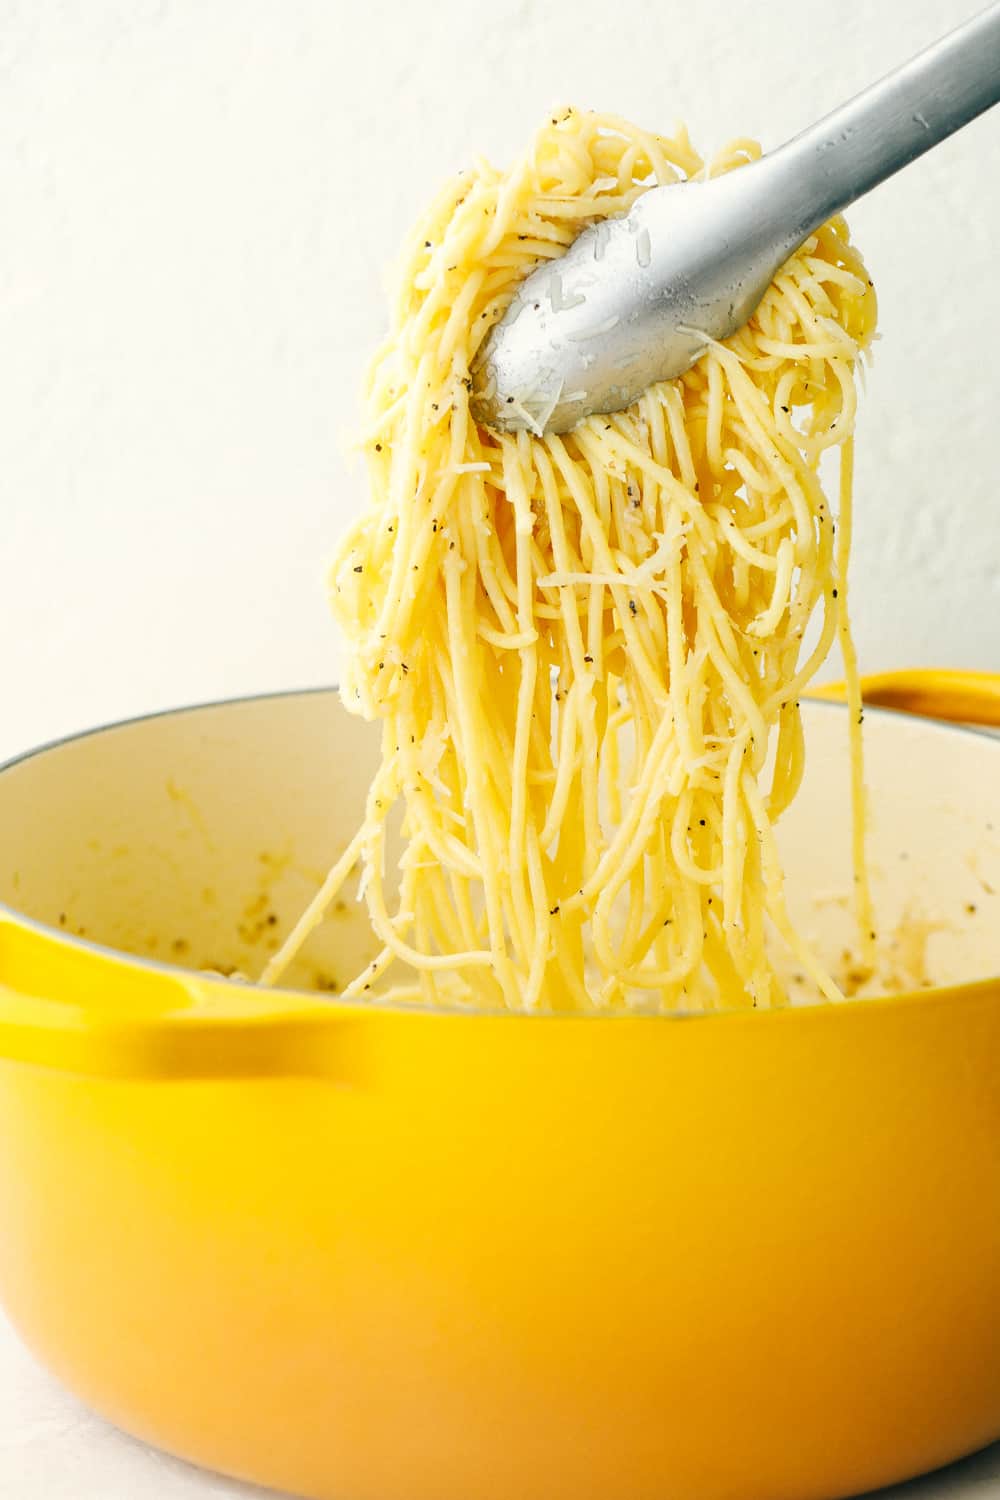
[(586, 651)]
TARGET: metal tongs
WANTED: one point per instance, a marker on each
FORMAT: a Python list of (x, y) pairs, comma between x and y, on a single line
[(634, 299)]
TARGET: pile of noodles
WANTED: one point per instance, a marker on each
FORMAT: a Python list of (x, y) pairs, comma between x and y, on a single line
[(587, 651)]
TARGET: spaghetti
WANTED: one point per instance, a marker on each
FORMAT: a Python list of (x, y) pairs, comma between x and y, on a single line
[(586, 651)]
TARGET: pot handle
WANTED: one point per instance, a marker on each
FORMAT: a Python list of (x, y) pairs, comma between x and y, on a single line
[(932, 693), (137, 1023)]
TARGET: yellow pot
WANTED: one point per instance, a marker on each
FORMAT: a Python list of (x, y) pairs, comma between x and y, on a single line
[(372, 1254)]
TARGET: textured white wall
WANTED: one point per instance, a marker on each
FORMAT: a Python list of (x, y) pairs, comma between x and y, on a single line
[(199, 199)]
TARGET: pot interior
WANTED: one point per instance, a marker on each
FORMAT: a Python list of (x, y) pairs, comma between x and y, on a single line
[(196, 838)]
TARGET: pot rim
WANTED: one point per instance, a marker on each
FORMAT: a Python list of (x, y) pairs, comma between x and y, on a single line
[(283, 1000)]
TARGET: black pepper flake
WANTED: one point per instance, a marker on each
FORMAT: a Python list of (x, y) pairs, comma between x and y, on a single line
[(588, 658), (359, 568), (378, 447), (784, 408), (427, 244), (701, 822), (633, 606), (835, 593), (553, 911), (971, 908), (403, 666)]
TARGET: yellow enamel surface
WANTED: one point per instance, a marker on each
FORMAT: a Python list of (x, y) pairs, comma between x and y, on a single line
[(406, 1256), (963, 697), (743, 1256)]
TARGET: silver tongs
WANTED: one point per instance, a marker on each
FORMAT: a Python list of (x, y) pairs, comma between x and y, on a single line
[(634, 298)]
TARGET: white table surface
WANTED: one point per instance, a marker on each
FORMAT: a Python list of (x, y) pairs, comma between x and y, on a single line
[(52, 1448)]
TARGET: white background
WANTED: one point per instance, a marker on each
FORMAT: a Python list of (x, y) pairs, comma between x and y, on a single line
[(200, 198)]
